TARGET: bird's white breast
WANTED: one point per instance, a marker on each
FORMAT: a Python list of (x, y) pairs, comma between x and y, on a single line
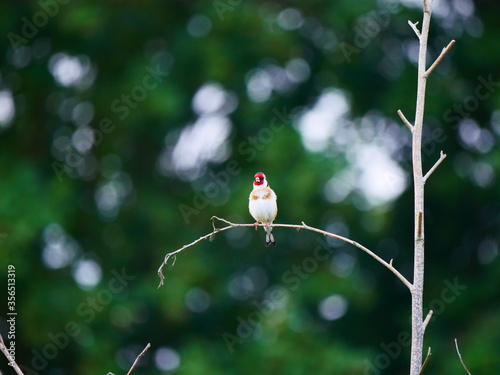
[(262, 205)]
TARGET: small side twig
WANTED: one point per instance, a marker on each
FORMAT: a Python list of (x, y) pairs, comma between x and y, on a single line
[(12, 362), (427, 319), (414, 27), (460, 356), (425, 361), (405, 120), (231, 225), (138, 357), (440, 57), (436, 164)]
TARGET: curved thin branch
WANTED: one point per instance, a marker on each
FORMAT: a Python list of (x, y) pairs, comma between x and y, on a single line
[(460, 356), (231, 225), (12, 363)]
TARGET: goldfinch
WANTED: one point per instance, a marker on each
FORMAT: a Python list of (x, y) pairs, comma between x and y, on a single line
[(262, 205)]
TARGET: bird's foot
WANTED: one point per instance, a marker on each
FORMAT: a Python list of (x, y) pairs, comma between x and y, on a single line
[(256, 225)]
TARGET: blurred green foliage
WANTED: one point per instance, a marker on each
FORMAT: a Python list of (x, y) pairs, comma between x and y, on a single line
[(79, 207)]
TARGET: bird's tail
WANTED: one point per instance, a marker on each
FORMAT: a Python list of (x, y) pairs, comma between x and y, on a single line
[(269, 236)]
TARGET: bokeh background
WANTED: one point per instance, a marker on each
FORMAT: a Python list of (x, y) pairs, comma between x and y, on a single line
[(125, 125)]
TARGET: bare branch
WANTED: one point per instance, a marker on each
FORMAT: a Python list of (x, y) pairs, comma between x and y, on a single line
[(440, 57), (440, 160), (414, 27), (405, 120), (460, 356), (417, 333), (427, 318), (427, 5), (138, 357), (12, 362), (359, 246), (298, 227), (426, 360)]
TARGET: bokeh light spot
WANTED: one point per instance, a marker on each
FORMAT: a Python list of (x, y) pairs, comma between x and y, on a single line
[(333, 307)]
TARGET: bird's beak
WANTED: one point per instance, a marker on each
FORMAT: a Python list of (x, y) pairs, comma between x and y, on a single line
[(257, 179)]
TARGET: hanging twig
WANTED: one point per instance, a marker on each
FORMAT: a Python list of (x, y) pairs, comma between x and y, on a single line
[(231, 225), (460, 356)]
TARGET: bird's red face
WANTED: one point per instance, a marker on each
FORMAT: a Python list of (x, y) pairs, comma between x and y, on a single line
[(259, 179)]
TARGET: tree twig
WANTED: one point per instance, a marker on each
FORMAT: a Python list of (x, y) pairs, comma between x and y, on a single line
[(12, 362), (138, 357), (414, 27), (439, 161), (460, 356), (426, 360), (440, 57), (428, 318), (405, 120), (231, 225)]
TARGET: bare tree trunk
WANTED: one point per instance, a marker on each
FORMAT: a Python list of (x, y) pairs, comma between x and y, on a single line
[(417, 331), (417, 290)]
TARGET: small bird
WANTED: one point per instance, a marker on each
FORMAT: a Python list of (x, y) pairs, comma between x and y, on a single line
[(262, 205)]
